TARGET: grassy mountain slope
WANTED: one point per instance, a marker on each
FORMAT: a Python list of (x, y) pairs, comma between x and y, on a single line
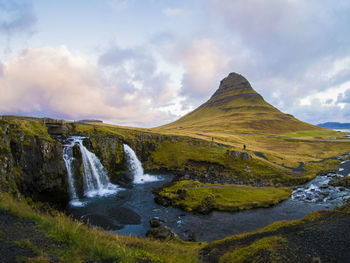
[(237, 107)]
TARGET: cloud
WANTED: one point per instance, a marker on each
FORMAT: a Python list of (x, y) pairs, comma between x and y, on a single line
[(53, 80), (2, 68), (203, 62), (138, 70), (300, 49), (173, 11), (16, 17), (344, 97)]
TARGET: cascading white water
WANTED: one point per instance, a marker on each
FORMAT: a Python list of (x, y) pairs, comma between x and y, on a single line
[(95, 177), (68, 159), (135, 167)]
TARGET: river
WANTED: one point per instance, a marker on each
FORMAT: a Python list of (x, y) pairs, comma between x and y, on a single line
[(128, 211)]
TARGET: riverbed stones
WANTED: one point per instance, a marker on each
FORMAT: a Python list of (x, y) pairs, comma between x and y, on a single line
[(161, 232), (341, 181), (156, 222)]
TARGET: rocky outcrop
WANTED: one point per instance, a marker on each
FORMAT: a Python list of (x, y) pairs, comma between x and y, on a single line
[(109, 149), (31, 163), (340, 181), (159, 231), (240, 155)]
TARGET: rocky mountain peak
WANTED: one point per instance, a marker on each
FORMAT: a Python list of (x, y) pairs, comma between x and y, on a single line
[(234, 81)]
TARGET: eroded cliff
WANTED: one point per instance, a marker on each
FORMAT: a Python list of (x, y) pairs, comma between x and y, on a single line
[(31, 162)]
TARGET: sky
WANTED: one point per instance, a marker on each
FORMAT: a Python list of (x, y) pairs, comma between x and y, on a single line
[(147, 62)]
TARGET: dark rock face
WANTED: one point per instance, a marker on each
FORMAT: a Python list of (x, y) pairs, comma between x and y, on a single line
[(78, 171), (109, 149), (32, 165), (233, 81)]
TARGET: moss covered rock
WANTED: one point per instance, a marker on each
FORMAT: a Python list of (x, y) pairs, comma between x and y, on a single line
[(31, 162)]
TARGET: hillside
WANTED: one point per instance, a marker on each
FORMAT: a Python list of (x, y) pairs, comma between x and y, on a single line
[(237, 107)]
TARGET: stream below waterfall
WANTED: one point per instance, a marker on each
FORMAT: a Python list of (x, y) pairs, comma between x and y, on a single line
[(128, 211)]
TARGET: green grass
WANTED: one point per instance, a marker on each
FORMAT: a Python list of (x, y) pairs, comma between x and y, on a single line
[(312, 169), (223, 197), (84, 243), (26, 243), (180, 152), (326, 134), (245, 254)]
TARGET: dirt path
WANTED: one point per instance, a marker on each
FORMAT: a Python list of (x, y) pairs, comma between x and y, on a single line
[(20, 240)]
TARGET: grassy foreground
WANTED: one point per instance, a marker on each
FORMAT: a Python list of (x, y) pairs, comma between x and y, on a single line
[(318, 237), (193, 195), (81, 243)]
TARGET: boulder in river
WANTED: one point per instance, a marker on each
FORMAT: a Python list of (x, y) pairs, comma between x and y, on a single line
[(156, 222), (161, 232)]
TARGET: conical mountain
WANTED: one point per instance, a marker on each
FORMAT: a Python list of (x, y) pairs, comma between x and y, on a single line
[(237, 107)]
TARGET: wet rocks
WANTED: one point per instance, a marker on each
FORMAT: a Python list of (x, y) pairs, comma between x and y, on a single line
[(156, 222), (341, 181), (159, 231), (109, 149), (329, 188)]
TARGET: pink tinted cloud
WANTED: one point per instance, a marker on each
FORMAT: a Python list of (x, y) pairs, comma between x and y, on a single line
[(54, 80)]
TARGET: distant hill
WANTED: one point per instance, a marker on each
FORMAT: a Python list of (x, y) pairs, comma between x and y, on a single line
[(88, 121), (334, 125), (237, 107)]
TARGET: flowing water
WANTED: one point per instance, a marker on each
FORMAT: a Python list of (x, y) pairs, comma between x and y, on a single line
[(136, 168), (95, 179), (128, 211)]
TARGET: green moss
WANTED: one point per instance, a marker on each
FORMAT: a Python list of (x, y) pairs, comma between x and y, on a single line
[(244, 254), (313, 169), (17, 173), (85, 244), (193, 195)]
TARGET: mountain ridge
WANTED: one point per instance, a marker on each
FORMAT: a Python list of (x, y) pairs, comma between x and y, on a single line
[(236, 107)]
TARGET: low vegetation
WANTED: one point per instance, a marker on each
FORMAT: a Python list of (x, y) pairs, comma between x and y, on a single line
[(286, 241), (269, 245), (195, 196), (81, 243)]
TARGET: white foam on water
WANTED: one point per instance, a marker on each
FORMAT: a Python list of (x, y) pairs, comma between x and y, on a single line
[(95, 179)]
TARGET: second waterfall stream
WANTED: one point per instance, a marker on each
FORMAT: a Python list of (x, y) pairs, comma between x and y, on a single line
[(136, 169)]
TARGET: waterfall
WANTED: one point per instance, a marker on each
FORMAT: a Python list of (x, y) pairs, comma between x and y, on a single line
[(68, 159), (95, 179), (136, 169)]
